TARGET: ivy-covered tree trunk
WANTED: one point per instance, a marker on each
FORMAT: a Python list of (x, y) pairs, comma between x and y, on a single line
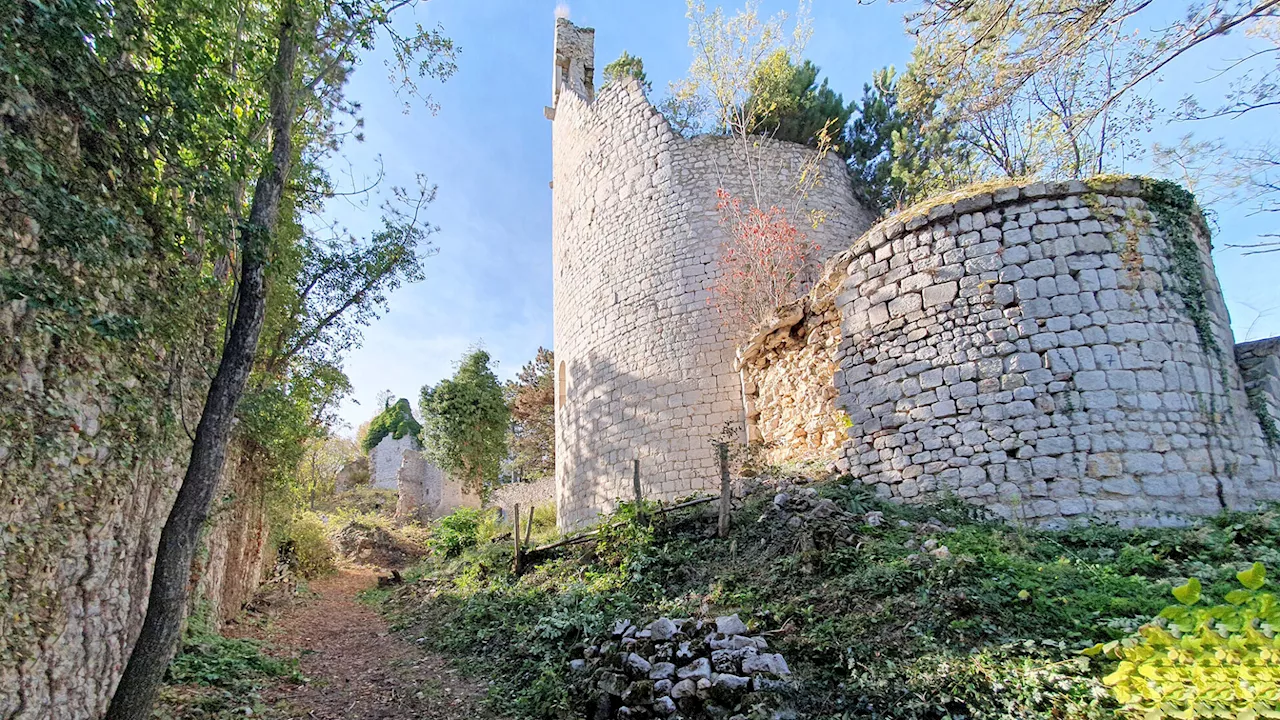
[(178, 540)]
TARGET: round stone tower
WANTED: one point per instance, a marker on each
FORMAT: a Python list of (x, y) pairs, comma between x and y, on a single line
[(644, 365)]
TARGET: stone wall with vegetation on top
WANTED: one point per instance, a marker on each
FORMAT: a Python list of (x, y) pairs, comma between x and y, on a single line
[(1051, 351), (644, 364), (788, 371), (385, 460), (93, 444), (1260, 369)]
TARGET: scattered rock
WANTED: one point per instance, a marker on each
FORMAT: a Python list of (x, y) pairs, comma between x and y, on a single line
[(612, 683), (825, 508), (731, 625), (771, 663), (700, 667), (664, 706), (730, 685), (941, 552), (875, 518), (725, 673), (662, 671), (684, 689), (637, 666), (640, 693), (662, 629)]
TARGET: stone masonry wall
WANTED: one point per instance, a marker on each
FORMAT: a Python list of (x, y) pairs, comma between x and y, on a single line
[(644, 364), (1028, 350), (91, 455), (1260, 369), (385, 459)]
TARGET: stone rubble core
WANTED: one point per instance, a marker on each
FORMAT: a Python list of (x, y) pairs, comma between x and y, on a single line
[(683, 667), (644, 361), (1025, 349)]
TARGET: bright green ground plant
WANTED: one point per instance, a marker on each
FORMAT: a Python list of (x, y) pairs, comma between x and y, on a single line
[(1196, 661)]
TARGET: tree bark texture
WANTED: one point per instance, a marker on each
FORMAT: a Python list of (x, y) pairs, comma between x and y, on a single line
[(170, 580)]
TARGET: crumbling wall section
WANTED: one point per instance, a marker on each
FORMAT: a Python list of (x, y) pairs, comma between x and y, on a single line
[(1259, 363), (788, 370), (385, 459)]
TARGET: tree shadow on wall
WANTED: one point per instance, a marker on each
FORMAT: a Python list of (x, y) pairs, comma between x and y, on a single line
[(612, 417)]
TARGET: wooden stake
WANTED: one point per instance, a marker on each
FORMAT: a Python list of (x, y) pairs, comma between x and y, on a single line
[(515, 535), (635, 486), (723, 528), (528, 532)]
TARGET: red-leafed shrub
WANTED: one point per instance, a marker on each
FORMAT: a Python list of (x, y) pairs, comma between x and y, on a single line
[(761, 266)]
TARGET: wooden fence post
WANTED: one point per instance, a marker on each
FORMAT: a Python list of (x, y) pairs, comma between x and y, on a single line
[(515, 535), (725, 494), (528, 533), (635, 487)]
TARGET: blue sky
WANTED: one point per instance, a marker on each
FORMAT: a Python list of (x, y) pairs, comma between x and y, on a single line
[(489, 150)]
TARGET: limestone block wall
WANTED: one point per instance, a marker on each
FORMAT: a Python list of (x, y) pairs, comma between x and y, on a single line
[(446, 494), (385, 459), (1260, 369), (537, 493), (1029, 349), (788, 375), (229, 569), (644, 364)]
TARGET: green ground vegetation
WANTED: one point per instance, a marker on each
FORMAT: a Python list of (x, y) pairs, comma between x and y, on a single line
[(216, 677), (871, 623)]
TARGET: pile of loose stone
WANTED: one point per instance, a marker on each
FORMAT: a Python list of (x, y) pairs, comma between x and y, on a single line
[(801, 509), (683, 668)]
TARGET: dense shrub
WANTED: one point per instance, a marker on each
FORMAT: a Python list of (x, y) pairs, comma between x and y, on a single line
[(457, 531), (308, 546)]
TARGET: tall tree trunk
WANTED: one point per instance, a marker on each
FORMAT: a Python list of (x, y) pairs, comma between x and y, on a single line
[(170, 580)]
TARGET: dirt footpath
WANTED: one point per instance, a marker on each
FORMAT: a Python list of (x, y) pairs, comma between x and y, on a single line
[(357, 669)]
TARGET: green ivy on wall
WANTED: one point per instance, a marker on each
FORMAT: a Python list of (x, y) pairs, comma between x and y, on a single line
[(395, 420)]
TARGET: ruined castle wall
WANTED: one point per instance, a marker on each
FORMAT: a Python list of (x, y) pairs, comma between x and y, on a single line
[(788, 375), (1029, 349), (1259, 363), (644, 363), (385, 459)]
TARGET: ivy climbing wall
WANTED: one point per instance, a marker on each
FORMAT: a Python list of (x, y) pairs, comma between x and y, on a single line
[(92, 447)]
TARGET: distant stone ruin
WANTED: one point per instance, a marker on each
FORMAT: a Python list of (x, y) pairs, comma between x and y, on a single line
[(425, 491), (1051, 351)]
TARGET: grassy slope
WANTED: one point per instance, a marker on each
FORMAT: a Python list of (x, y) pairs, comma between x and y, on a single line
[(870, 630)]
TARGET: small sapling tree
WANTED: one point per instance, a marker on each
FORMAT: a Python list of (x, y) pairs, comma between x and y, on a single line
[(762, 265)]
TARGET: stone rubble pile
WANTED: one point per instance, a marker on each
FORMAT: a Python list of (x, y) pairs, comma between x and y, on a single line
[(683, 668), (801, 509)]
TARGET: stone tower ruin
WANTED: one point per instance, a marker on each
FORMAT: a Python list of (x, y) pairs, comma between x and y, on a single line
[(1050, 351), (644, 366)]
